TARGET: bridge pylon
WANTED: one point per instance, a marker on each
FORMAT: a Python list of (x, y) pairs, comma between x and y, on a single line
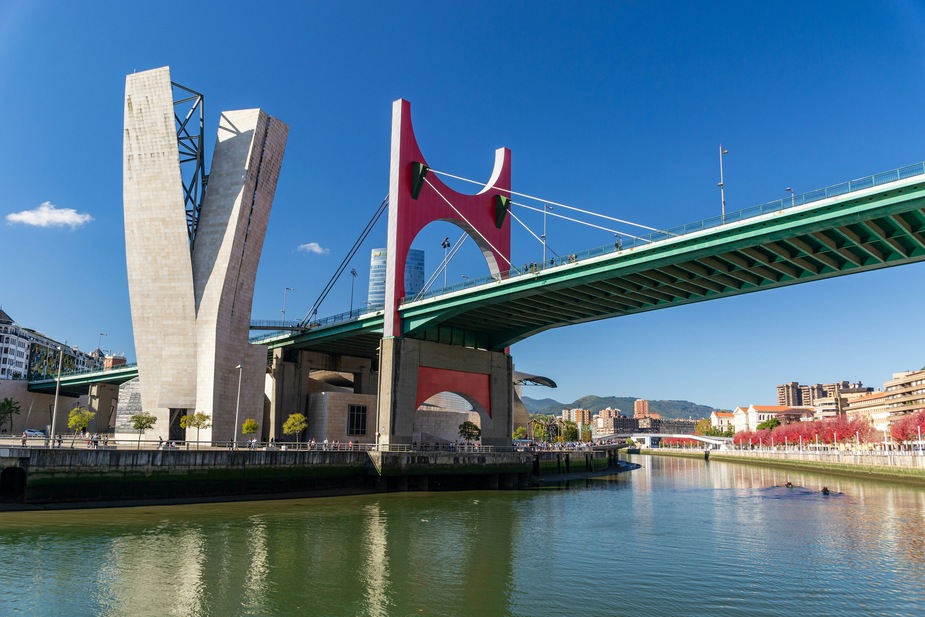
[(413, 370)]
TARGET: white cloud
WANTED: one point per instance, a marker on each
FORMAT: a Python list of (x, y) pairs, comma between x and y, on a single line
[(313, 247), (46, 215)]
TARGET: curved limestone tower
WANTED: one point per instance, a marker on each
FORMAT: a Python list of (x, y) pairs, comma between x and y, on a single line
[(191, 299)]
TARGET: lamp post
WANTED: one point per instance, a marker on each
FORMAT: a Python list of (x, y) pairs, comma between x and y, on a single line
[(790, 190), (722, 182), (285, 291), (465, 277), (54, 413), (445, 244), (546, 208), (353, 279), (237, 407), (99, 341)]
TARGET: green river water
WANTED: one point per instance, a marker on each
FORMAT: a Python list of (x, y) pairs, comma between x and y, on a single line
[(676, 537)]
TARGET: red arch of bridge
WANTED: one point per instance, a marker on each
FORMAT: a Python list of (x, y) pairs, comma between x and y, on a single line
[(408, 216)]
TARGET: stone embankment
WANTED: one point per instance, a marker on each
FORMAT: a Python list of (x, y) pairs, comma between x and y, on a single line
[(896, 466), (65, 475)]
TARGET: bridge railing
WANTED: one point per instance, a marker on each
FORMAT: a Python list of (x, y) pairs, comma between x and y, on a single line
[(287, 326)]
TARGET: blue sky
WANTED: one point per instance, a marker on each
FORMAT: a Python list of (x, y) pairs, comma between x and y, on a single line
[(616, 107)]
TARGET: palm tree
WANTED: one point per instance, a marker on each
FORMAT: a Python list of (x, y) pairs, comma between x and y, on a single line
[(547, 426), (8, 408)]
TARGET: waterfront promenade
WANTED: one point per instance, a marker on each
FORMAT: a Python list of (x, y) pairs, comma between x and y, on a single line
[(903, 465)]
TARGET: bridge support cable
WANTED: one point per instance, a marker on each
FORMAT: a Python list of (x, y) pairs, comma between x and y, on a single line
[(443, 266), (531, 232), (343, 265), (471, 226), (560, 205), (580, 222)]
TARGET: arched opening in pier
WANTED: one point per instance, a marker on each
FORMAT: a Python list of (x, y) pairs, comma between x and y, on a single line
[(12, 483), (437, 420)]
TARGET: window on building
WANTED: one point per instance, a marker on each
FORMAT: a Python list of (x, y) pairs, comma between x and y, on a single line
[(356, 420)]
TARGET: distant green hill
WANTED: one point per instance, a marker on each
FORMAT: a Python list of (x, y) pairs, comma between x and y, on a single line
[(666, 409)]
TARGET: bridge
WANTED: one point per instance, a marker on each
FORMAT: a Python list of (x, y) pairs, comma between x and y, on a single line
[(857, 226), (866, 224), (457, 339), (646, 438)]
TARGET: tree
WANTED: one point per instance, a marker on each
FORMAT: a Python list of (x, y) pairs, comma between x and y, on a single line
[(908, 428), (545, 428), (703, 427), (469, 431), (586, 432), (8, 409), (294, 425), (198, 420), (770, 423), (569, 431), (249, 427), (519, 433), (78, 420), (141, 422)]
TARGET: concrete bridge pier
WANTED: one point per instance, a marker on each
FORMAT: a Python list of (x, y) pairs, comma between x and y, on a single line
[(412, 371)]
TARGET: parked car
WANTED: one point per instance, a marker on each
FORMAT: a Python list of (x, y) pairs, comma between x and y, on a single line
[(34, 432)]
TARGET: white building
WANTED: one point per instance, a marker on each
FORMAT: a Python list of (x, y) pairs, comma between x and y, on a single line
[(25, 353), (748, 419), (721, 420)]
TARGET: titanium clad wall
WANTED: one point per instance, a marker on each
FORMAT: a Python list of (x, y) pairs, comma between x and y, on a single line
[(160, 277)]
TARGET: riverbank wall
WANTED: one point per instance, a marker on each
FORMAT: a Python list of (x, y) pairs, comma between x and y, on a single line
[(893, 467), (46, 476)]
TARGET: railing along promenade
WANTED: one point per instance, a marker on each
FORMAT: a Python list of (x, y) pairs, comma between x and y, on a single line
[(879, 455), (91, 442)]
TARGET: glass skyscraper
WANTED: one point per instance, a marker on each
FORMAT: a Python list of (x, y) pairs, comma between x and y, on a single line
[(414, 276)]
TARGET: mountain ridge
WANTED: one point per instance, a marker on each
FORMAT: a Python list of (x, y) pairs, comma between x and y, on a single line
[(665, 408)]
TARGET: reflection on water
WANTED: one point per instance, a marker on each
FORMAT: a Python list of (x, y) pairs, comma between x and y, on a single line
[(674, 537)]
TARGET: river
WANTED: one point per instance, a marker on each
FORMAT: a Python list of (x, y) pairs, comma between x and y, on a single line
[(676, 537)]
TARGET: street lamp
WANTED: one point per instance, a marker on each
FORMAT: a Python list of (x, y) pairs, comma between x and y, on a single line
[(790, 190), (54, 413), (353, 274), (722, 182), (237, 407), (285, 291), (100, 341), (465, 278), (546, 208), (445, 244)]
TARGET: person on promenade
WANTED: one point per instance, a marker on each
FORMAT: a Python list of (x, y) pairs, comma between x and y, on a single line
[(24, 439)]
